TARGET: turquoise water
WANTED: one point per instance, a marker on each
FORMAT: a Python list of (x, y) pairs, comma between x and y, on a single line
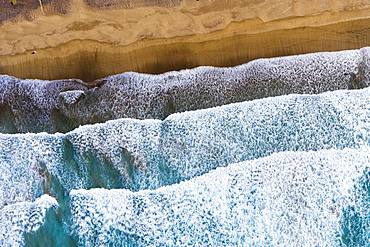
[(355, 220), (284, 171), (286, 199)]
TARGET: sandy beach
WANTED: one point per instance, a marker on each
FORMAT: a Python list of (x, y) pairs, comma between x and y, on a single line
[(92, 39)]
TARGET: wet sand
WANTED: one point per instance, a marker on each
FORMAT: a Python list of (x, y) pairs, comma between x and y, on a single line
[(91, 39)]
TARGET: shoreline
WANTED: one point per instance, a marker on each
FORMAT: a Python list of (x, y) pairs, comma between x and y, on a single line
[(89, 43)]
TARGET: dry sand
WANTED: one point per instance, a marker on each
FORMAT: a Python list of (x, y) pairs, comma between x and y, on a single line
[(94, 38)]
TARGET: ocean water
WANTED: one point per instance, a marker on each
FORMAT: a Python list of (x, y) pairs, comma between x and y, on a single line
[(288, 170), (20, 218), (287, 199), (143, 154), (61, 106)]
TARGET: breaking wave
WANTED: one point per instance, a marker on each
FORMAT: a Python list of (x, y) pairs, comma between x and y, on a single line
[(290, 170), (286, 199)]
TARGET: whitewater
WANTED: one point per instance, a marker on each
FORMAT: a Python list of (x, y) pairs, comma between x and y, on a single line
[(200, 162)]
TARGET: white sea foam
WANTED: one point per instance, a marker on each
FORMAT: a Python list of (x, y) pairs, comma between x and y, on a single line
[(52, 106), (138, 154), (24, 217), (286, 199)]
